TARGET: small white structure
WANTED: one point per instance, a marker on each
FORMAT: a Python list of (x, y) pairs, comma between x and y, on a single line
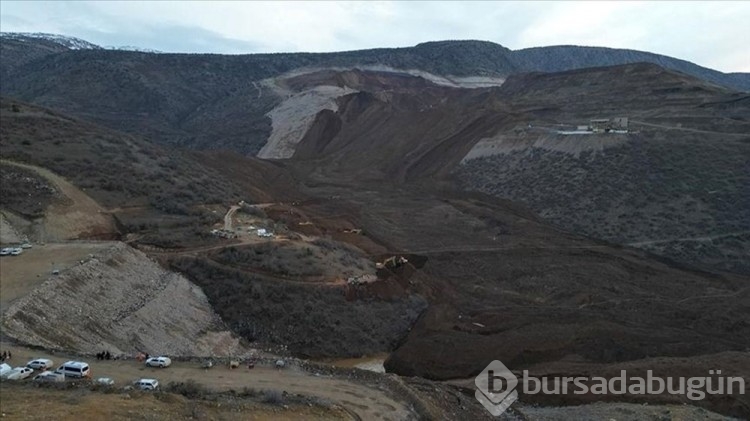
[(607, 125), (262, 232)]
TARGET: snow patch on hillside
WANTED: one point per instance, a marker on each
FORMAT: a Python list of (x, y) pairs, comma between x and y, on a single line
[(71, 43), (133, 48)]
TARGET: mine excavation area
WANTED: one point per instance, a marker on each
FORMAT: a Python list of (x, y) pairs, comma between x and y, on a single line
[(338, 237)]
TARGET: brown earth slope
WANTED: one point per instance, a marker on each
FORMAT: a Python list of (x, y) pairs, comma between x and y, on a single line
[(502, 284), (679, 173)]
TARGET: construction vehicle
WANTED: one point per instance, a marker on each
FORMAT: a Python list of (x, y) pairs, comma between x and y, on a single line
[(392, 262)]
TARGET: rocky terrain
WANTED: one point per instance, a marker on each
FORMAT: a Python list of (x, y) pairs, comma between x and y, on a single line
[(119, 300), (556, 253)]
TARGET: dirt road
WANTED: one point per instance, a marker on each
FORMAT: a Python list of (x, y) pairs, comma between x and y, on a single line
[(366, 402), (228, 217)]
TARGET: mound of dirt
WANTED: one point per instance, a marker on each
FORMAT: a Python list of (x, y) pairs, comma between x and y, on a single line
[(120, 300)]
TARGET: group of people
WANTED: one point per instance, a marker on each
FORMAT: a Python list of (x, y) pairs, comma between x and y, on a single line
[(5, 356), (104, 355)]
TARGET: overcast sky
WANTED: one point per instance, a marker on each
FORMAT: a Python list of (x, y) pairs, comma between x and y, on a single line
[(712, 34)]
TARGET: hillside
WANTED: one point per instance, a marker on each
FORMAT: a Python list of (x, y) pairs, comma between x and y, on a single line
[(108, 299), (673, 186), (221, 102), (570, 57), (158, 193), (676, 176), (504, 285)]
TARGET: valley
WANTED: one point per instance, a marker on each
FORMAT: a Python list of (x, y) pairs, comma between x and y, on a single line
[(346, 206)]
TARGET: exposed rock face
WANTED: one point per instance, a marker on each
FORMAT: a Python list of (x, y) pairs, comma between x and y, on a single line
[(121, 301)]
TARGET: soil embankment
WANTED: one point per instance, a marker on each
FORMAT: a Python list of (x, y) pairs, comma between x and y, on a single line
[(120, 300)]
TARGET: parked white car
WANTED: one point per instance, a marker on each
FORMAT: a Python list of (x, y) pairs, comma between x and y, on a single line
[(16, 251), (5, 251), (147, 384), (26, 246), (40, 364), (19, 373), (49, 376), (158, 362)]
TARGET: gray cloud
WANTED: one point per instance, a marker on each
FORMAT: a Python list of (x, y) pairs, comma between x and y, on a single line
[(173, 38)]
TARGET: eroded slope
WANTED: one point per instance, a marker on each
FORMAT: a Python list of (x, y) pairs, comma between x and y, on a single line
[(120, 300)]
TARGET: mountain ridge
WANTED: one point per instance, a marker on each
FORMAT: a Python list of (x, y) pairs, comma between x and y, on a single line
[(486, 57)]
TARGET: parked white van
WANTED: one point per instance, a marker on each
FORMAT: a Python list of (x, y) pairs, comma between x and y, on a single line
[(76, 369)]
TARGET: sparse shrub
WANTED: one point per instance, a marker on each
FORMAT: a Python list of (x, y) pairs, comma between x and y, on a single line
[(327, 244), (273, 397), (248, 392), (190, 389), (254, 211)]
